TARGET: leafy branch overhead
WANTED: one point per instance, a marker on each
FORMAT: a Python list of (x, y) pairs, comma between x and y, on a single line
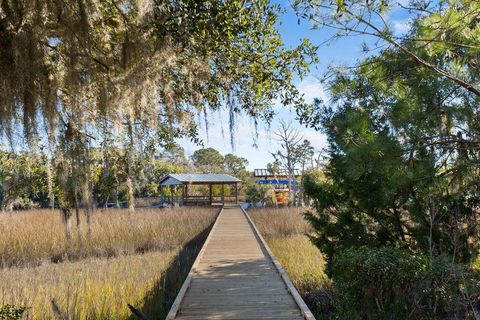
[(442, 40), (146, 61)]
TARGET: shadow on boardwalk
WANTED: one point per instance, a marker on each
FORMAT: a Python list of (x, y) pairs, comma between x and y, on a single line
[(240, 289), (157, 302)]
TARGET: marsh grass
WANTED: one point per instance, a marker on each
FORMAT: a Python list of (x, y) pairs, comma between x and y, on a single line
[(94, 288), (280, 222), (140, 259), (30, 238), (285, 231)]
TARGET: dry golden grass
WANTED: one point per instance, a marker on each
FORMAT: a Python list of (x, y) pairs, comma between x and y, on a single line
[(33, 237), (301, 260), (139, 259), (94, 288), (280, 222)]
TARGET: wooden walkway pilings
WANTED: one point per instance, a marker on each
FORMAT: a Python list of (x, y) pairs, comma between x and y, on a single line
[(235, 276)]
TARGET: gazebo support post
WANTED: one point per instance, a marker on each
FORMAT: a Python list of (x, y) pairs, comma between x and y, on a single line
[(236, 193), (184, 193), (210, 187), (161, 195), (223, 193)]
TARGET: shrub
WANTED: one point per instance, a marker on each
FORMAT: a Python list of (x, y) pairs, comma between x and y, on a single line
[(397, 284), (11, 312), (476, 264), (258, 193)]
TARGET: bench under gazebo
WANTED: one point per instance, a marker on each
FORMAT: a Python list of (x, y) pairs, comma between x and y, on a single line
[(185, 188)]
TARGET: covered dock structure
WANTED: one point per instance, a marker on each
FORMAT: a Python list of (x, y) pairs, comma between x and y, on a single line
[(177, 188)]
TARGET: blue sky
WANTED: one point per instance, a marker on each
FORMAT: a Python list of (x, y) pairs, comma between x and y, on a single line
[(345, 51)]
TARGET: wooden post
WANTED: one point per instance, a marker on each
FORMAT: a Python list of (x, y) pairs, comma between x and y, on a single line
[(223, 193), (236, 192), (211, 200), (161, 195), (184, 193)]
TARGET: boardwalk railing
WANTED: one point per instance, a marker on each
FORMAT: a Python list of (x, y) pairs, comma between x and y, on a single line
[(239, 279), (196, 199)]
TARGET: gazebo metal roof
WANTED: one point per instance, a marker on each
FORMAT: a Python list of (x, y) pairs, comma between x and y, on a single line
[(197, 178)]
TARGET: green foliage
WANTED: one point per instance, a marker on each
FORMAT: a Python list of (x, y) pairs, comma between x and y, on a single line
[(403, 169), (154, 64), (396, 284), (237, 167), (258, 193), (152, 171), (234, 164), (136, 75), (208, 159), (24, 177), (23, 180), (11, 312), (400, 191), (476, 264), (441, 44), (378, 284)]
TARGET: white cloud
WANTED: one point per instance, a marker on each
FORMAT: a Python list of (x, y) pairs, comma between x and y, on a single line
[(312, 88), (400, 27)]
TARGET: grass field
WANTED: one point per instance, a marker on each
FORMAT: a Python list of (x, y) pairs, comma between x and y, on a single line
[(285, 231), (139, 259), (93, 288), (30, 238)]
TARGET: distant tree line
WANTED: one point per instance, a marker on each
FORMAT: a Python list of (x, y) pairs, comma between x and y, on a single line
[(28, 181)]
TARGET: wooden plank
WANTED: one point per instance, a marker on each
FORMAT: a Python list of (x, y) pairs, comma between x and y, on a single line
[(235, 277), (307, 314), (178, 300)]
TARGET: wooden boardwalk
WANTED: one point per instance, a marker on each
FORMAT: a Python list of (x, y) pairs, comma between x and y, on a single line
[(235, 276)]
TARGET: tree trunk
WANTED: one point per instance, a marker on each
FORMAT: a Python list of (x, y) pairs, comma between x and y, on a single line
[(115, 199), (131, 198), (432, 215), (67, 215), (87, 193), (88, 214), (51, 194), (77, 215), (290, 188), (301, 193)]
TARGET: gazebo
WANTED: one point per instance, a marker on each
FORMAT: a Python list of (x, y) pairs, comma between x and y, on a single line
[(185, 182)]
